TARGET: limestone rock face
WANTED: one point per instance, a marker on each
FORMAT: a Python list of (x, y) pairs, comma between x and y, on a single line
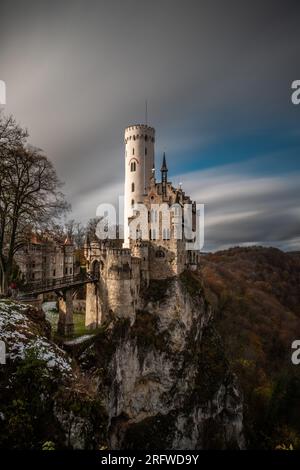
[(167, 381), (162, 382)]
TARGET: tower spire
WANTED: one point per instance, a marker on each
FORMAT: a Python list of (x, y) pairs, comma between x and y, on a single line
[(164, 176), (164, 164)]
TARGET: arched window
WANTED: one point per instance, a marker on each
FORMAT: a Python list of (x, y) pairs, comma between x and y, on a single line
[(132, 166), (160, 254), (133, 151), (152, 234), (95, 268), (166, 234), (132, 187), (153, 215)]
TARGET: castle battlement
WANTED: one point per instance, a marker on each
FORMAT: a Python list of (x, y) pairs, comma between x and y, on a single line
[(139, 132), (144, 127)]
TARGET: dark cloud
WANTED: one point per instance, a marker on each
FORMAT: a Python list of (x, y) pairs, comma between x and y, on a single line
[(78, 72), (244, 208)]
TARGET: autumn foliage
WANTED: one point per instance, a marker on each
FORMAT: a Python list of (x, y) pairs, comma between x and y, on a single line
[(255, 293)]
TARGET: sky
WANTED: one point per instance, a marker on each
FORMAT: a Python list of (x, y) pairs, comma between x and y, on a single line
[(217, 78)]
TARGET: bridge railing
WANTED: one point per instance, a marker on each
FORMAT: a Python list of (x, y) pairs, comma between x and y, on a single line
[(56, 283)]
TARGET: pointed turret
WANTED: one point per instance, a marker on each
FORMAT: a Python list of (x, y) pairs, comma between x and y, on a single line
[(164, 176), (164, 164)]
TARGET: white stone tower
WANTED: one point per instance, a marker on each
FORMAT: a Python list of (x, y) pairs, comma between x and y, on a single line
[(139, 164)]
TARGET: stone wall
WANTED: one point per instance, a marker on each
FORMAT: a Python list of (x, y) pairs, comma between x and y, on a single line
[(93, 312), (116, 293)]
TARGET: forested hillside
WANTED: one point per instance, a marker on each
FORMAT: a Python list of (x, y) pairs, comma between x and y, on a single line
[(255, 293)]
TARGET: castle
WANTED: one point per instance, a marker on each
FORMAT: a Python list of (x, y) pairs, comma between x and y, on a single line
[(126, 266), (45, 258)]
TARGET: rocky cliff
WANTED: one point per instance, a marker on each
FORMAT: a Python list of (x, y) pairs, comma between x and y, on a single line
[(166, 379), (162, 382)]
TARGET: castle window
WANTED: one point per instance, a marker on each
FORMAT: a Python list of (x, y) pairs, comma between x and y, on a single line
[(152, 234), (153, 215), (166, 234), (133, 151), (160, 254), (133, 166), (132, 187), (132, 202), (145, 150)]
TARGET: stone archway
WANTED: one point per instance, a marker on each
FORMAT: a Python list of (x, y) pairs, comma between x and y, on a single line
[(95, 268)]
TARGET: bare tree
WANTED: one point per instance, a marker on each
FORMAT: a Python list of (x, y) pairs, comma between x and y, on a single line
[(76, 232), (91, 228), (30, 196), (12, 135)]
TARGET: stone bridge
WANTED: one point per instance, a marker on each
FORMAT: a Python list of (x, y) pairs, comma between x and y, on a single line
[(63, 288)]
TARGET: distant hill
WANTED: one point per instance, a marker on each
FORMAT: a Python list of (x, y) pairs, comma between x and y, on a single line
[(255, 293)]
